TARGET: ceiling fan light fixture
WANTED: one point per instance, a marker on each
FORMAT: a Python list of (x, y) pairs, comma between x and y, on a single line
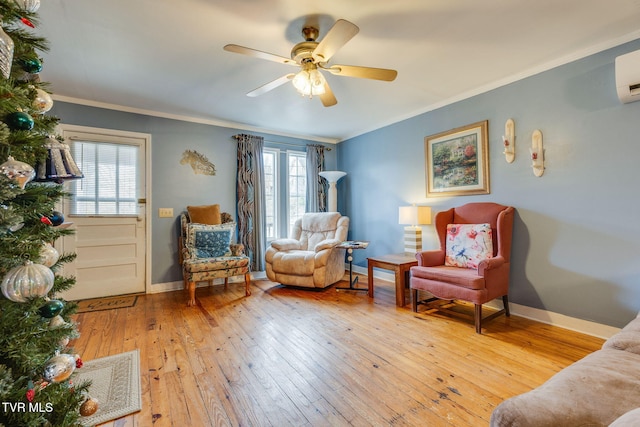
[(309, 82)]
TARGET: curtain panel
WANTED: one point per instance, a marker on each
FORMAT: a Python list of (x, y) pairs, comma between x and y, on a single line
[(250, 196), (316, 186)]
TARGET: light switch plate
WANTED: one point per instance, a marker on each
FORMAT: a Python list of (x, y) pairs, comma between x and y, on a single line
[(165, 212)]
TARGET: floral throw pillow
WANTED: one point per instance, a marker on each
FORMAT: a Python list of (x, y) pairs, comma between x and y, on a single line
[(468, 245), (210, 241)]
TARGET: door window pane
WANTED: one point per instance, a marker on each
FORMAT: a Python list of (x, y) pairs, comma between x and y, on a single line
[(109, 186)]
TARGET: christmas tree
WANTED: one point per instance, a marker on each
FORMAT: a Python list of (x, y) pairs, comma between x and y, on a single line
[(36, 361)]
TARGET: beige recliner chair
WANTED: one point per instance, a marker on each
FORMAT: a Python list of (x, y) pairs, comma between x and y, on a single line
[(310, 258)]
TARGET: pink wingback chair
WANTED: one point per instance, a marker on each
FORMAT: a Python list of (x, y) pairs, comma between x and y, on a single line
[(478, 285)]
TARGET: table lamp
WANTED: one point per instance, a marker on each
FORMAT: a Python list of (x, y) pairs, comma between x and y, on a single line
[(415, 216)]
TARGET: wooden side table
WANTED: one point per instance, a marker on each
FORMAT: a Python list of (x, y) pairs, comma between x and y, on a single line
[(400, 265)]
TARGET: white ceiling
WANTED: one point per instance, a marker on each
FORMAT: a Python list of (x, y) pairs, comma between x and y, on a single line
[(165, 57)]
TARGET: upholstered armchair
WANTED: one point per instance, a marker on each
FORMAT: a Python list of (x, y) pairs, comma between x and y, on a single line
[(310, 257), (206, 251), (472, 263)]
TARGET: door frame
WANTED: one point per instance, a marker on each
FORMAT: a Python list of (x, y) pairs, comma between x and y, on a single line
[(103, 134)]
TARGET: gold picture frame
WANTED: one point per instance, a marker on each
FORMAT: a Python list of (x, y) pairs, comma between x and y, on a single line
[(457, 161)]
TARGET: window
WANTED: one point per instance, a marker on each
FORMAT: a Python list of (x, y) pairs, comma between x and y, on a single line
[(109, 186), (297, 190), (285, 188), (270, 157)]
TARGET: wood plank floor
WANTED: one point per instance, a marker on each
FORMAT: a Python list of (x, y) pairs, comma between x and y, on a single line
[(290, 357)]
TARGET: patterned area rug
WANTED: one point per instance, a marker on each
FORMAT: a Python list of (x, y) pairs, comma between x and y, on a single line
[(115, 384), (107, 303)]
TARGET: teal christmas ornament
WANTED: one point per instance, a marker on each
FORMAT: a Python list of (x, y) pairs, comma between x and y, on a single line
[(31, 65), (51, 308), (19, 121)]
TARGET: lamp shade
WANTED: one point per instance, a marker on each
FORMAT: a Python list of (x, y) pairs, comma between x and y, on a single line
[(59, 165), (332, 177), (309, 82), (414, 215)]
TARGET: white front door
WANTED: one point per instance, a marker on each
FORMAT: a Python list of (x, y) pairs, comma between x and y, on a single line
[(108, 211)]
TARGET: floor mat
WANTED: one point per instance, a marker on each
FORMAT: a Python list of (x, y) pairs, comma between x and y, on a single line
[(106, 303)]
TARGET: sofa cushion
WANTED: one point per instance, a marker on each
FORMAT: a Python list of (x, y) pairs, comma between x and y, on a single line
[(206, 214), (285, 244), (466, 278), (294, 262), (594, 391), (468, 244), (316, 227), (198, 265), (209, 241), (628, 339)]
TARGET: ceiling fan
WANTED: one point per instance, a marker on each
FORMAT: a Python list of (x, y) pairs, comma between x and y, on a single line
[(311, 57)]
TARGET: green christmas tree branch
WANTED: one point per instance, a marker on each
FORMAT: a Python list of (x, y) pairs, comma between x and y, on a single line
[(29, 336)]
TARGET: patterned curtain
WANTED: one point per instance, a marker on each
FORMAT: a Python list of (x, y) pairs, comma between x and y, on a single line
[(316, 187), (250, 194)]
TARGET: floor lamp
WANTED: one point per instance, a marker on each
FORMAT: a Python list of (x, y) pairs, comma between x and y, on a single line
[(415, 216), (332, 177)]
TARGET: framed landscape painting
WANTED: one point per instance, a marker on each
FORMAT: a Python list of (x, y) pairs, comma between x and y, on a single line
[(457, 161)]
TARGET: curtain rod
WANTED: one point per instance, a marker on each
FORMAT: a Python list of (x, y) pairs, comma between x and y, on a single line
[(288, 143), (294, 145)]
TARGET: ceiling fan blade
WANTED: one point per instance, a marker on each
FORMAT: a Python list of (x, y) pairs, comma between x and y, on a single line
[(259, 54), (270, 86), (341, 32), (328, 98), (363, 72)]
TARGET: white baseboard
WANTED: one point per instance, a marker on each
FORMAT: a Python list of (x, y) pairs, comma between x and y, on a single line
[(560, 320)]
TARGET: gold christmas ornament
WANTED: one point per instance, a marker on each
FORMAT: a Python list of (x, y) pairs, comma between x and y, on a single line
[(89, 407)]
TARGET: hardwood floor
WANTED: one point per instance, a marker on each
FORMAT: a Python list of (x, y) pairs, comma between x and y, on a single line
[(286, 357)]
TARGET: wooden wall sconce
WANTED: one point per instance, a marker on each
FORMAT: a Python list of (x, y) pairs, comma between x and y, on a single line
[(537, 153), (509, 141)]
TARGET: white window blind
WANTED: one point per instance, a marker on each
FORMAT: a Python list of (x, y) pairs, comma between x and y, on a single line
[(109, 186)]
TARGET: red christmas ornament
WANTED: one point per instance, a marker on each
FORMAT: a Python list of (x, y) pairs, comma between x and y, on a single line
[(31, 393), (45, 220), (26, 22)]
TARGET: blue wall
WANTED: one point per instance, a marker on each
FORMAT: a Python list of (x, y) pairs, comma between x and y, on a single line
[(577, 228), (174, 185)]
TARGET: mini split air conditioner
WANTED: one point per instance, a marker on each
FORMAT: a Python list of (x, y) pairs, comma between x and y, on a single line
[(628, 77)]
